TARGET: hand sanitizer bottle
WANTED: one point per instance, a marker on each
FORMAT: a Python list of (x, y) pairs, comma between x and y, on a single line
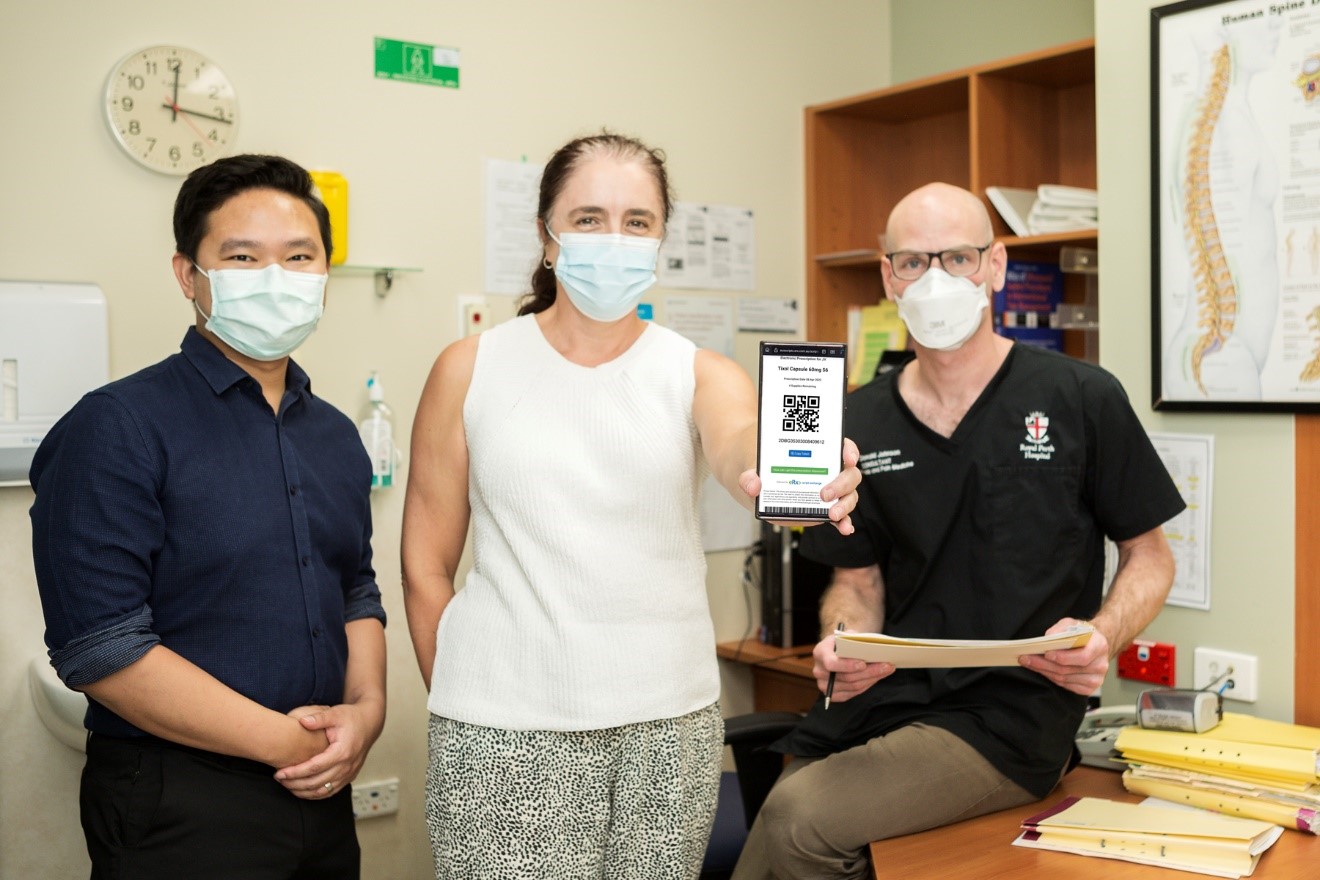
[(377, 432)]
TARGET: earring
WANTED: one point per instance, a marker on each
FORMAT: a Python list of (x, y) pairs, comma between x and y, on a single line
[(545, 261)]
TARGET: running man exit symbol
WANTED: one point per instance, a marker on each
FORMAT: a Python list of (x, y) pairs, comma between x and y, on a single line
[(417, 63)]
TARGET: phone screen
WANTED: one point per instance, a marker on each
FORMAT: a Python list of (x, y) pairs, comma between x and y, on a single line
[(800, 433)]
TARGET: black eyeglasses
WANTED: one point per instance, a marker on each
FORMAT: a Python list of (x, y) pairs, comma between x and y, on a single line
[(958, 261)]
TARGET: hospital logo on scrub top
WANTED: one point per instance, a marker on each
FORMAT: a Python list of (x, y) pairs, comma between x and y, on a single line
[(1038, 446), (1037, 425)]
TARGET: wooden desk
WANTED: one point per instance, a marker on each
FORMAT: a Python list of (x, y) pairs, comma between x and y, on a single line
[(981, 849), (781, 677)]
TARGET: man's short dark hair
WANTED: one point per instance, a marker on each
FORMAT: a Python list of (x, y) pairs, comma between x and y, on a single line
[(210, 186)]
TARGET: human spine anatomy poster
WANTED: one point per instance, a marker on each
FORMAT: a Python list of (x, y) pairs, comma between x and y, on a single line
[(1237, 94)]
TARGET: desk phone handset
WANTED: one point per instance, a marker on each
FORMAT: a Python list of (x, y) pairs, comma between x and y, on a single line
[(1100, 727)]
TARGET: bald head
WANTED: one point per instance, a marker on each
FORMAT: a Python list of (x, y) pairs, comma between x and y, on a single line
[(935, 217)]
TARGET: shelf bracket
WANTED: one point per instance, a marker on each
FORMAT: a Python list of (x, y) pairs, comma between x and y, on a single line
[(384, 281)]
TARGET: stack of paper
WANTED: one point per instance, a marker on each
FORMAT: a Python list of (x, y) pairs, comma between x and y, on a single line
[(951, 653), (1246, 766), (1062, 209), (1187, 840)]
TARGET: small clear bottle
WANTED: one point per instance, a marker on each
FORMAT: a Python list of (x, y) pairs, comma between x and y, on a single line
[(377, 432)]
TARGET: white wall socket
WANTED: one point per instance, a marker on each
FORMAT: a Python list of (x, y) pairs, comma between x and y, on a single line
[(1210, 663), (372, 799), (473, 314)]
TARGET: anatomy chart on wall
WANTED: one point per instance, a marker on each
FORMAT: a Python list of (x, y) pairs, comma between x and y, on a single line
[(1236, 121)]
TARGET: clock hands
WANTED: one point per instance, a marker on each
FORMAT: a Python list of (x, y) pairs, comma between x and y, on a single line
[(174, 102), (173, 105)]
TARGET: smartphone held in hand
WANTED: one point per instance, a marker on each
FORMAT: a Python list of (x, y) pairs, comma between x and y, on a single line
[(799, 445)]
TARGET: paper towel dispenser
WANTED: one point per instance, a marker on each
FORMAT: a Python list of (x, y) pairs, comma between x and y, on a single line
[(54, 348)]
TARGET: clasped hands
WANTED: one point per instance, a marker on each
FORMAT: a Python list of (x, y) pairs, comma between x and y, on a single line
[(347, 732)]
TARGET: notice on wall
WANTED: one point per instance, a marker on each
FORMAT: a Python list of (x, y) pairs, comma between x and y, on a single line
[(1189, 458), (706, 320), (709, 247), (769, 315), (512, 246)]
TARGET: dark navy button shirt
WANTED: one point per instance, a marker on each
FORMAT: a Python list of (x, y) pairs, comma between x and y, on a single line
[(173, 507)]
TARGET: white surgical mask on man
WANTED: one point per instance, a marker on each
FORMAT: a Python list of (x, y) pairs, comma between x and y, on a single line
[(263, 313), (605, 274), (941, 311)]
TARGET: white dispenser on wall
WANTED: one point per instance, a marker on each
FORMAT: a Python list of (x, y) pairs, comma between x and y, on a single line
[(54, 348)]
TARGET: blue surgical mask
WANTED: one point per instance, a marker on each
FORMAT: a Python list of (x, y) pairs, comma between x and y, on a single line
[(263, 313), (605, 274)]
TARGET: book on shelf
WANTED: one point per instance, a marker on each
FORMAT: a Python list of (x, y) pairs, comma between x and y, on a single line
[(1165, 836), (1025, 306), (872, 330), (1013, 204)]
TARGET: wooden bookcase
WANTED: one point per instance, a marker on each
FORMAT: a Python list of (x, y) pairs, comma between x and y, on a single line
[(1022, 121)]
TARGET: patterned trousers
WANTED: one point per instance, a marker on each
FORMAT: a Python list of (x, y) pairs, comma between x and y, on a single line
[(626, 803)]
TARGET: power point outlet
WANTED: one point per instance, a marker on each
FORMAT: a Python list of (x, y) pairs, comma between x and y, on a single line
[(473, 315), (1211, 663), (373, 799), (1148, 661)]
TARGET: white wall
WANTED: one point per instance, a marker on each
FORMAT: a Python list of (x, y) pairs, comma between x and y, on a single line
[(720, 86), (1252, 540)]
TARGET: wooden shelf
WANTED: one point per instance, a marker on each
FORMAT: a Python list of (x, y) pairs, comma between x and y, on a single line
[(1020, 121)]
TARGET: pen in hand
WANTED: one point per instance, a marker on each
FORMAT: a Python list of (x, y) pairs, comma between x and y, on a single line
[(829, 686)]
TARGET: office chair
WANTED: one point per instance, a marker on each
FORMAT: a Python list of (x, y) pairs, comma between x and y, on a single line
[(743, 792)]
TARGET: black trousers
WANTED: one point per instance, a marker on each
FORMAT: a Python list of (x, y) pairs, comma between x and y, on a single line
[(153, 809)]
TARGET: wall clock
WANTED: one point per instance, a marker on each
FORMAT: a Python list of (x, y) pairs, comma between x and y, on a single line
[(170, 109)]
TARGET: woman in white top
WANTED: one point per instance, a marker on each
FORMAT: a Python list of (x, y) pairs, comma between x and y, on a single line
[(574, 728)]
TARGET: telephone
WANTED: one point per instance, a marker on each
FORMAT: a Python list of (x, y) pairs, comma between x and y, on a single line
[(1100, 727)]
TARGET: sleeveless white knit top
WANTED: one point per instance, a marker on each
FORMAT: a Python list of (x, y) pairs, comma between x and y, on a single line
[(586, 604)]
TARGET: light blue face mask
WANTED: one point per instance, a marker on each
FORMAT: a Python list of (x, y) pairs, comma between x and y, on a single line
[(263, 313), (605, 274)]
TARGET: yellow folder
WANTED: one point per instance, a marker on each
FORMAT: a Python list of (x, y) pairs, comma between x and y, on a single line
[(1241, 745), (1241, 806)]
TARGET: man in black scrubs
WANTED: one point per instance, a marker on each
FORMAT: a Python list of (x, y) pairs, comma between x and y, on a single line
[(202, 542), (992, 472)]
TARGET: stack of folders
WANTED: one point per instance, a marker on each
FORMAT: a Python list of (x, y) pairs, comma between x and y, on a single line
[(1063, 209), (1248, 767), (1187, 840)]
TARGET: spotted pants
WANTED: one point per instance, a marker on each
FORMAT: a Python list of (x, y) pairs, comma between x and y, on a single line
[(625, 803)]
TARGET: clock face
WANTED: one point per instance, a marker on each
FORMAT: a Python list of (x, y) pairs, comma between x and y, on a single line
[(171, 109)]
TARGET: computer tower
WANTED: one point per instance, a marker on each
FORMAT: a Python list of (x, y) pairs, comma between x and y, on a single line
[(791, 589)]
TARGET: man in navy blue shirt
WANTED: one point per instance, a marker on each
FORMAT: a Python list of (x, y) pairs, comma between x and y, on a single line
[(201, 535)]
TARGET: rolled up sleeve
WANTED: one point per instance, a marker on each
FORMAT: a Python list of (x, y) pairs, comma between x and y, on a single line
[(97, 526), (363, 599)]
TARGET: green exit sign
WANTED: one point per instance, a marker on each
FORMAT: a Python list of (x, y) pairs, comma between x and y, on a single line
[(417, 63)]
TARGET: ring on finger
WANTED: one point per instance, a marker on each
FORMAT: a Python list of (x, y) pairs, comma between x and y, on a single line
[(329, 786)]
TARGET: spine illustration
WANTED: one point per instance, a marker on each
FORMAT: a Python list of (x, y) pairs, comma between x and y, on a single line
[(1311, 372), (1216, 291)]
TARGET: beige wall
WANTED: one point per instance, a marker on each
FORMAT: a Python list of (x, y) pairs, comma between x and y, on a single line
[(1252, 553), (932, 36), (720, 86)]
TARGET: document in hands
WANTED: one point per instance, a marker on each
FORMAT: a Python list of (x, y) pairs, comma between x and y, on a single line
[(1167, 836), (950, 653)]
